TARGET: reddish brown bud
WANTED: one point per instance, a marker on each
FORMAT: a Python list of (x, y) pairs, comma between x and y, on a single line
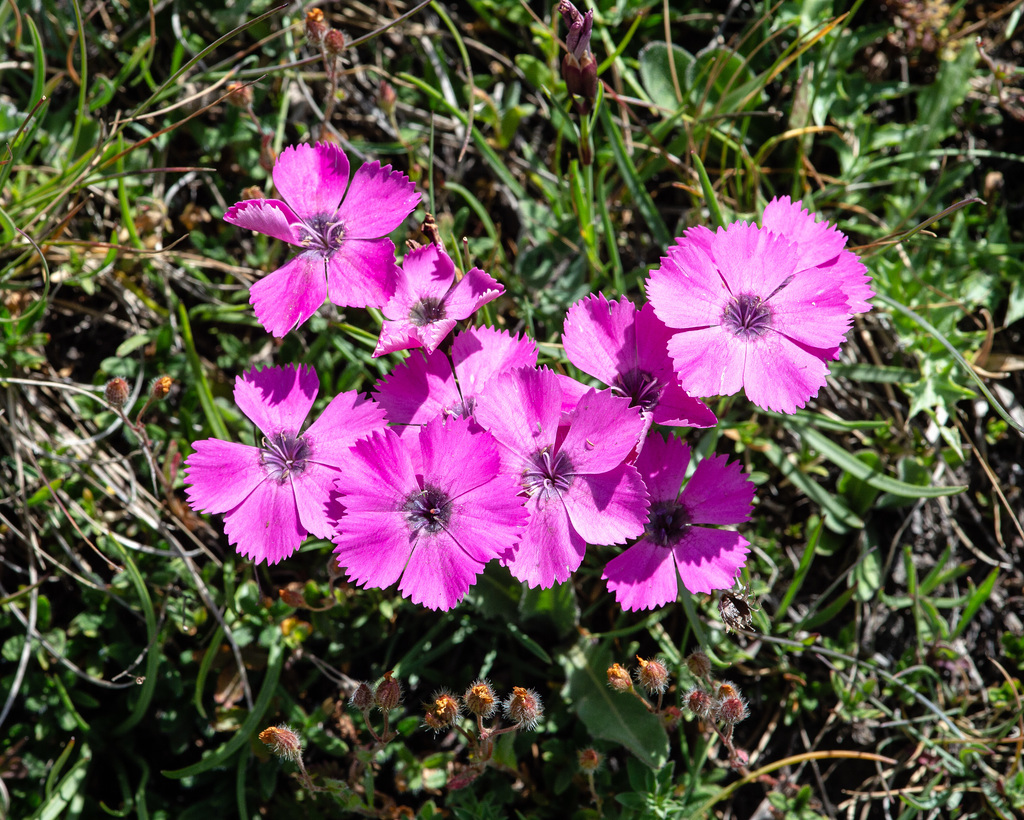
[(334, 43), (316, 28), (727, 690), (523, 708), (388, 694), (699, 703), (116, 392), (732, 710), (239, 94), (652, 676), (283, 742), (589, 760), (386, 97), (480, 700), (699, 664), (362, 698), (292, 596), (268, 156), (618, 678)]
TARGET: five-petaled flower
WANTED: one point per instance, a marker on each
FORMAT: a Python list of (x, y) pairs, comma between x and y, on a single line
[(275, 494), (674, 546), (341, 226)]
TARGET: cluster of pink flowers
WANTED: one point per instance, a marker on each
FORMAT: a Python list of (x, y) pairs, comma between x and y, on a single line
[(470, 452)]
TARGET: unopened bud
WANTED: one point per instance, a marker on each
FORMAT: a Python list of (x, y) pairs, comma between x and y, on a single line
[(316, 28), (699, 664), (239, 94), (579, 68), (618, 678), (268, 156), (443, 712), (727, 690), (523, 708), (116, 392), (589, 760), (293, 597), (388, 694), (386, 97), (253, 192), (732, 710), (699, 703), (161, 387), (480, 700), (652, 676), (334, 43), (283, 742), (362, 698)]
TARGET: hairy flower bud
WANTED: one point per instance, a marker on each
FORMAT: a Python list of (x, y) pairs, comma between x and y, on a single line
[(589, 760), (480, 700), (727, 690), (652, 676), (618, 678), (239, 94), (442, 712), (732, 710), (316, 28), (283, 742), (334, 42), (699, 664), (362, 698), (523, 708), (388, 694), (386, 97), (161, 387), (699, 703), (116, 392)]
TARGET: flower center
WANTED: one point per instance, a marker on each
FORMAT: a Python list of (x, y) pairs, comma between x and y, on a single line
[(428, 310), (747, 316), (429, 510), (666, 523), (321, 232), (548, 474), (641, 388), (283, 456)]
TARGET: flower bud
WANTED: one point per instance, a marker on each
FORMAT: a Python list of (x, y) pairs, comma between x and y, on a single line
[(699, 664), (523, 708), (388, 694), (316, 28), (292, 596), (283, 742), (239, 94), (589, 760), (268, 156), (334, 43), (579, 68), (362, 698), (480, 700), (386, 97), (161, 387), (652, 676), (699, 703), (732, 710), (727, 690), (618, 678), (116, 392), (443, 712)]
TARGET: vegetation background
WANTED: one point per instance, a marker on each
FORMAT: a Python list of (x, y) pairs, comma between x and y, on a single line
[(141, 657)]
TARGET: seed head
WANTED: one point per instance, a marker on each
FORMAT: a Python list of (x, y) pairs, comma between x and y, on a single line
[(618, 678), (523, 708), (480, 700), (283, 742), (116, 392), (388, 694), (652, 676), (589, 759), (362, 698), (699, 664)]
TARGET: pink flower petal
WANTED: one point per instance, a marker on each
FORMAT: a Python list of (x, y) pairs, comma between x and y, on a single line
[(312, 491), (811, 309), (817, 242), (377, 202), (609, 508), (687, 291), (852, 276), (425, 273), (600, 337), (718, 492), (752, 260), (266, 526), (222, 475), (603, 430), (709, 559), (439, 573), (268, 216), (708, 362), (312, 178), (481, 353), (362, 273), (782, 375), (419, 389), (348, 418), (522, 409), (550, 549), (662, 465), (643, 577), (396, 335), (474, 290), (277, 399), (286, 298)]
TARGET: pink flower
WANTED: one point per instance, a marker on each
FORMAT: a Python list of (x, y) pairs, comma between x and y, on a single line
[(577, 487), (430, 509), (428, 302), (272, 496), (753, 308), (341, 226), (647, 574), (627, 349)]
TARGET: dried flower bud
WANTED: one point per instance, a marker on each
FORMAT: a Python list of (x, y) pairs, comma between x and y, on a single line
[(334, 43), (652, 676), (523, 708), (443, 712), (161, 387), (283, 742), (480, 700), (388, 694), (732, 710), (386, 97), (618, 678), (699, 703), (268, 156), (589, 760), (253, 192), (362, 698), (316, 28), (116, 392), (292, 596), (727, 690), (699, 664), (239, 94)]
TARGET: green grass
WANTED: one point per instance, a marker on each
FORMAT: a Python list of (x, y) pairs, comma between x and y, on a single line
[(141, 657)]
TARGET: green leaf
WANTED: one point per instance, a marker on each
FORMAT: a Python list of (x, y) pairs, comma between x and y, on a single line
[(609, 715), (657, 61)]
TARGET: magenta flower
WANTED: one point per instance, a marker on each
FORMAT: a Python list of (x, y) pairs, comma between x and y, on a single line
[(341, 226), (430, 509), (577, 487), (647, 574), (627, 349), (746, 312), (424, 386), (272, 496), (428, 302)]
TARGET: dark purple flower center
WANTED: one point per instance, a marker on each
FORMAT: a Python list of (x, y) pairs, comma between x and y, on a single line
[(429, 510), (640, 387), (321, 232), (747, 316), (427, 311), (461, 408), (548, 474), (283, 456), (666, 523)]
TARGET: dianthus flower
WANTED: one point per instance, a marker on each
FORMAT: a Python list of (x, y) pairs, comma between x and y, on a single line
[(578, 488), (428, 301), (647, 574), (627, 349), (764, 309), (275, 494), (341, 226), (430, 509)]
